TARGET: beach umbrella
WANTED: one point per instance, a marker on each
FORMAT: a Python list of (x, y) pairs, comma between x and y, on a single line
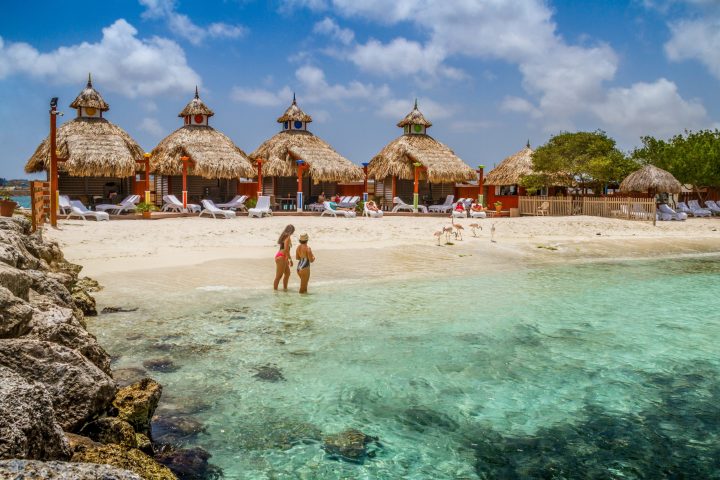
[(650, 179)]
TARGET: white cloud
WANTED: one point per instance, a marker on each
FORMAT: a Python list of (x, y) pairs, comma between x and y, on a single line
[(261, 97), (120, 62), (650, 109), (183, 26), (316, 88), (329, 27), (151, 126), (519, 105), (696, 40), (401, 57)]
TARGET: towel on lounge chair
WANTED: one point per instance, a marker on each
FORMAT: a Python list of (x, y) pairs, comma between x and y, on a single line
[(335, 211)]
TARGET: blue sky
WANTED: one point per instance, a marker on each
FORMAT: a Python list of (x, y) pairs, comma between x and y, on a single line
[(489, 74)]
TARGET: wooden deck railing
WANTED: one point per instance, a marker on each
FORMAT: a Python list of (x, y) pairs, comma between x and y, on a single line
[(613, 207), (39, 203)]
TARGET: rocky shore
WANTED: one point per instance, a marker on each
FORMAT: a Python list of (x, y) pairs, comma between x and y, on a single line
[(62, 415)]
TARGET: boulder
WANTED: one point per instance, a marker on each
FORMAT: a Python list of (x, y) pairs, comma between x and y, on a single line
[(75, 440), (15, 315), (15, 280), (28, 428), (88, 284), (84, 301), (137, 402), (175, 429), (111, 430), (47, 285), (189, 463), (35, 470), (80, 391), (125, 458), (350, 445), (144, 444)]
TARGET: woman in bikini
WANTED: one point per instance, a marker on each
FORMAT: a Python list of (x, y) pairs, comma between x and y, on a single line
[(283, 262), (305, 257)]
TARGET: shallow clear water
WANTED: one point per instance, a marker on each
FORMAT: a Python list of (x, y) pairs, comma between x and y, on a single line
[(23, 201), (595, 371)]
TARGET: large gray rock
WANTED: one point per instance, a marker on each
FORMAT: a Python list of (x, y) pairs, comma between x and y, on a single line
[(51, 286), (80, 391), (28, 428), (136, 403), (34, 470), (15, 280), (15, 315)]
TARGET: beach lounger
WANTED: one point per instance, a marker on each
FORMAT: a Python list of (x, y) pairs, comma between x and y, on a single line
[(665, 213), (351, 202), (127, 205), (459, 214), (210, 208), (543, 209), (444, 207), (262, 207), (400, 205), (712, 206), (371, 213), (64, 204), (329, 210), (697, 210), (237, 203), (480, 214), (637, 211), (172, 204), (682, 207), (77, 209)]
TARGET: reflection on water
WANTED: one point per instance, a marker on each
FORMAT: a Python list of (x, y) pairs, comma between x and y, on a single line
[(595, 371)]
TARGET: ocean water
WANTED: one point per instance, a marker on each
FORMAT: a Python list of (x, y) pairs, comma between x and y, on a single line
[(23, 201), (603, 370)]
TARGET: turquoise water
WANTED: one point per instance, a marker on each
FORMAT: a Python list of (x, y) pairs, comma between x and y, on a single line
[(595, 371), (23, 201)]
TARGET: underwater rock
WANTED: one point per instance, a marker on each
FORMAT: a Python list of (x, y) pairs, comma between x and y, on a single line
[(422, 417), (136, 403), (189, 463), (125, 458), (126, 376), (175, 429), (28, 428), (350, 445), (16, 315), (111, 430), (268, 430), (117, 310), (268, 373), (35, 470), (79, 390), (164, 365)]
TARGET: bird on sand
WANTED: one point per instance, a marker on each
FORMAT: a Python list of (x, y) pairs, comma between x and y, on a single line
[(492, 233), (438, 234), (475, 227), (458, 228)]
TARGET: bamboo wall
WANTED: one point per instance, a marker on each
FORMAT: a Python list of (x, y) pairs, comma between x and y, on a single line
[(610, 207)]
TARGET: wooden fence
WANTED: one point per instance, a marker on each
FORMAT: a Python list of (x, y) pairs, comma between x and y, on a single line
[(39, 203), (613, 207)]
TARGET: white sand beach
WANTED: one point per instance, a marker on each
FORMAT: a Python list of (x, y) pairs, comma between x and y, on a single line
[(194, 252)]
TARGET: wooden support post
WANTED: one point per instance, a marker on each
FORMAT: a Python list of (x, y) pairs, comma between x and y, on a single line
[(365, 183), (185, 161), (301, 166), (481, 179), (394, 188), (54, 194), (259, 178), (416, 192), (147, 177)]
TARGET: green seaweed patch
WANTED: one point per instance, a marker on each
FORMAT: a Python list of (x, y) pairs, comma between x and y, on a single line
[(548, 247)]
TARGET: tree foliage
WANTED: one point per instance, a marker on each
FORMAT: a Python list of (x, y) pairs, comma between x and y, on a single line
[(580, 159), (693, 158)]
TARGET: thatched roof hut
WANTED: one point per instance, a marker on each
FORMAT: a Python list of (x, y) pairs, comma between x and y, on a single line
[(280, 153), (511, 170), (416, 146), (92, 146), (212, 153), (650, 179)]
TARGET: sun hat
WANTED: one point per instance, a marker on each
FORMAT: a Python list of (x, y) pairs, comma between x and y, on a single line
[(304, 237)]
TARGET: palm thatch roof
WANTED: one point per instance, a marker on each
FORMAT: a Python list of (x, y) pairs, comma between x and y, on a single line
[(397, 158), (294, 113), (212, 153), (414, 118), (650, 178), (93, 147), (90, 98), (196, 107), (512, 169), (280, 153)]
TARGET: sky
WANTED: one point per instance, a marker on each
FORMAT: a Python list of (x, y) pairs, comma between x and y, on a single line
[(489, 74)]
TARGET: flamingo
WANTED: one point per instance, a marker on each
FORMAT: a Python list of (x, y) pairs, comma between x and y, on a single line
[(458, 228), (492, 233), (438, 234), (475, 227), (447, 231)]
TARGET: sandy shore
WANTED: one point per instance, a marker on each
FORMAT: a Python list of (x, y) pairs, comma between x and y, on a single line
[(194, 252)]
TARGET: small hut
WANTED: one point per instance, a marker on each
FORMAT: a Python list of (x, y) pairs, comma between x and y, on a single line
[(98, 159), (294, 160), (651, 179), (438, 168), (198, 159), (503, 182)]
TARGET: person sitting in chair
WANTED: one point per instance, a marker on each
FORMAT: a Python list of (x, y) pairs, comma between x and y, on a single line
[(476, 207), (370, 204)]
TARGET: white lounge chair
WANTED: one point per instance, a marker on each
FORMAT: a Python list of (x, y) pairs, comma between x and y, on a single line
[(712, 206), (64, 204), (543, 209), (697, 210), (480, 214), (665, 213), (371, 213), (237, 203), (444, 207), (459, 214), (639, 212), (350, 202), (211, 209), (127, 205), (400, 205), (77, 209), (172, 204), (329, 210), (262, 207)]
